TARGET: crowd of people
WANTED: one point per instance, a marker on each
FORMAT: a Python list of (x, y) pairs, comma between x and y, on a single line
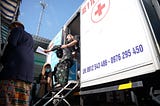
[(17, 84)]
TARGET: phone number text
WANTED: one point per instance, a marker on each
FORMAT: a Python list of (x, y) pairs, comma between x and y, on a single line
[(115, 58)]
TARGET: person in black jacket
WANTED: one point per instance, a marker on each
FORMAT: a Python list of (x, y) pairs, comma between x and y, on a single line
[(17, 73)]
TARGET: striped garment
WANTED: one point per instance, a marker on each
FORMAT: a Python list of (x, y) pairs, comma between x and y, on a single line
[(9, 8), (14, 93)]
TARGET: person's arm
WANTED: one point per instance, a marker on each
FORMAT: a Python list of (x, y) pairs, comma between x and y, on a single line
[(47, 50), (53, 48), (49, 82), (74, 42)]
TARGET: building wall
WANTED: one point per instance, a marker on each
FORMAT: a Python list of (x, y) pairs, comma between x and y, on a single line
[(39, 61)]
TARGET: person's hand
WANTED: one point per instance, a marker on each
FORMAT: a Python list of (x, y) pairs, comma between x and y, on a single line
[(46, 51)]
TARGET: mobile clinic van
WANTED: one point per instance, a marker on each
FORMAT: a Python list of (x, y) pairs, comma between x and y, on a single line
[(120, 54), (120, 50)]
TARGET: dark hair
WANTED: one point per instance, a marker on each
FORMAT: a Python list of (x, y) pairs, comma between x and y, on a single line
[(13, 24)]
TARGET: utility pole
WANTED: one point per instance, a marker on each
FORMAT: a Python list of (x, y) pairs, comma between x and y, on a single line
[(43, 4)]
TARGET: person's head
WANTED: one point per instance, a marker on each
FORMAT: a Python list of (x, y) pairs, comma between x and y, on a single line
[(16, 24), (48, 67), (69, 38)]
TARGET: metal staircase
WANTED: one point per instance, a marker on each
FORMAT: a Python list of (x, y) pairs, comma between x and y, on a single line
[(63, 93), (60, 95)]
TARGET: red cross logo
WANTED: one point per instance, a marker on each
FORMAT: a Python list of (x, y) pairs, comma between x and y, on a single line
[(100, 10)]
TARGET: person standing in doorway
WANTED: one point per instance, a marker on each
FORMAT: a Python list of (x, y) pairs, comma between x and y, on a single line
[(17, 75), (72, 43)]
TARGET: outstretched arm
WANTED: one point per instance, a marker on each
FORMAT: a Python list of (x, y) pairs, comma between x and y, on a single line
[(74, 42)]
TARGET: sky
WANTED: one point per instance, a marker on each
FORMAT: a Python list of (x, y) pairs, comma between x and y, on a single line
[(55, 15)]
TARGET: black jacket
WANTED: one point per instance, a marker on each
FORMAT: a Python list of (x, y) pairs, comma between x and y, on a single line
[(18, 58)]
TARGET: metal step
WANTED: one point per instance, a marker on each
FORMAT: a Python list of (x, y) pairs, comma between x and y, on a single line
[(63, 93)]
